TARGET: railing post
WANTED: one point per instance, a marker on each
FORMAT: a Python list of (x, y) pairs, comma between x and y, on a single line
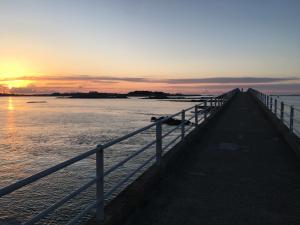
[(196, 115), (100, 185), (275, 107), (281, 111), (158, 141), (292, 119), (205, 110), (265, 99), (271, 104), (182, 124)]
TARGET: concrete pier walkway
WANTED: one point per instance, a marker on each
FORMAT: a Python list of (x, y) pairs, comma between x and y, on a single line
[(241, 172)]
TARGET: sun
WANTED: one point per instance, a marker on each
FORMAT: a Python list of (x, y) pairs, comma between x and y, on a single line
[(13, 74), (10, 84)]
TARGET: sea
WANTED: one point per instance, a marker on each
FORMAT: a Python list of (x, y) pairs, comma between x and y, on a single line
[(39, 132)]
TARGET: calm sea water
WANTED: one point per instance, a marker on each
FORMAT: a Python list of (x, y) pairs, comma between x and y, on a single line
[(35, 136)]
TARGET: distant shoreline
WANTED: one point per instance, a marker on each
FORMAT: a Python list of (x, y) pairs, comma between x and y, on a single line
[(139, 94), (99, 95)]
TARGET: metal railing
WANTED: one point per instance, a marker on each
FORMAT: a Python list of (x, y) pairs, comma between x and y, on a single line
[(201, 112), (283, 111)]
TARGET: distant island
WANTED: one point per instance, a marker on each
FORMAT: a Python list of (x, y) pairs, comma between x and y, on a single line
[(94, 95), (152, 94)]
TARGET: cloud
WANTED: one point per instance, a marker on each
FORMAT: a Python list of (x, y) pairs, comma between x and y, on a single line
[(79, 78), (114, 79), (230, 80)]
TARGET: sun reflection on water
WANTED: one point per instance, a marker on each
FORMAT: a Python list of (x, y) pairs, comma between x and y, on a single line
[(10, 123), (11, 155), (10, 105)]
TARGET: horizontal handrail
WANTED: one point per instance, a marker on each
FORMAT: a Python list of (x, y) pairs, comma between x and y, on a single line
[(297, 121), (171, 131), (212, 104), (171, 142), (120, 183), (83, 212), (8, 189), (128, 158), (297, 132), (189, 128), (296, 109), (60, 202), (192, 117)]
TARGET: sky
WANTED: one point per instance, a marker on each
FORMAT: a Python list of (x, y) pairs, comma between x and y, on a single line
[(191, 46)]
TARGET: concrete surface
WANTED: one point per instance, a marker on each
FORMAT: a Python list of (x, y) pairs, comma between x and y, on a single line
[(240, 172)]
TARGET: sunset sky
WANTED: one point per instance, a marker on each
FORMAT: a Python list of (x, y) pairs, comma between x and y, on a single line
[(187, 46)]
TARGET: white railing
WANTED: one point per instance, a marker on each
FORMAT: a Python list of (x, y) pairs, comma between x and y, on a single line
[(200, 113), (284, 112)]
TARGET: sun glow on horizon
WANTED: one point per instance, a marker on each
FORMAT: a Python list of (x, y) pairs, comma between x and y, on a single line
[(11, 71), (16, 83)]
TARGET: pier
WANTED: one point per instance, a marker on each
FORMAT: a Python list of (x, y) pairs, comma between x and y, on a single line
[(240, 171), (237, 164)]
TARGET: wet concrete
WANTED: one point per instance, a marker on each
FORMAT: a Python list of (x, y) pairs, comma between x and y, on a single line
[(239, 172)]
